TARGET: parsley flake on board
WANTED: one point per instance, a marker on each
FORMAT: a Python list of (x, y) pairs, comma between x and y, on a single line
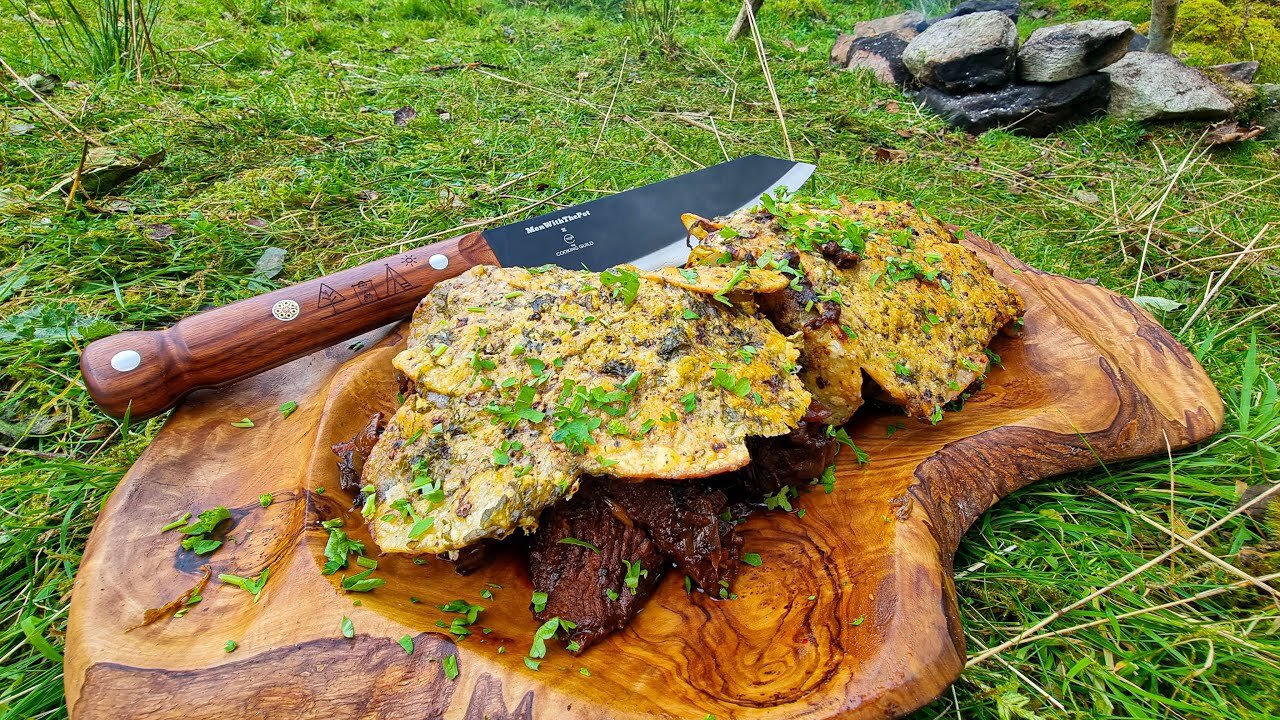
[(348, 628), (406, 642), (450, 665), (539, 601), (230, 646), (253, 586), (288, 408)]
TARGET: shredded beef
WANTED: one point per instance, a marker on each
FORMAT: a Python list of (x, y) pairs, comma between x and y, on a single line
[(790, 459), (683, 521), (577, 579)]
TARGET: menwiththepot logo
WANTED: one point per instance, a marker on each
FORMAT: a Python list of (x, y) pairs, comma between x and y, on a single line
[(531, 229)]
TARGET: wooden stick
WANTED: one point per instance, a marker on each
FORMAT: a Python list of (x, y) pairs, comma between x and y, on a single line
[(741, 20)]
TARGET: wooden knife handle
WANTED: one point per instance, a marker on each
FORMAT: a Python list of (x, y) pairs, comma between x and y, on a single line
[(145, 373)]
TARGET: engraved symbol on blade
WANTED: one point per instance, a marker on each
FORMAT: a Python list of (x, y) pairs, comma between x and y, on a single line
[(285, 310)]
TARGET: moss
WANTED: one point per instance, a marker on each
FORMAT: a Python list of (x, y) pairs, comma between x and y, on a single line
[(1210, 31)]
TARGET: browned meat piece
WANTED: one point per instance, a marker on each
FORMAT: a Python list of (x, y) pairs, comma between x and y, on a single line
[(791, 459), (352, 453), (588, 585), (684, 521)]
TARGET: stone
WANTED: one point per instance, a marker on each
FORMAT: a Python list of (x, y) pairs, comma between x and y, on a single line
[(1009, 8), (1269, 117), (1152, 86), (1139, 43), (1238, 71), (964, 53), (882, 55), (840, 51), (1026, 109), (1063, 52), (903, 25)]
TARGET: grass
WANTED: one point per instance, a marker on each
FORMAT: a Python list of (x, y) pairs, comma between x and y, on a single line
[(277, 119)]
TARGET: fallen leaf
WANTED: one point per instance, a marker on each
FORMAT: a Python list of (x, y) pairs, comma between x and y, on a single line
[(160, 231), (270, 263), (906, 133), (443, 115), (890, 155), (106, 168), (20, 128), (256, 222), (583, 75), (892, 106), (116, 206), (367, 195), (1225, 133), (1153, 304), (1087, 197), (404, 115)]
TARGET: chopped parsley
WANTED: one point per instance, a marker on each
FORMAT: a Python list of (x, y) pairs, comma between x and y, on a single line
[(579, 543), (253, 586), (362, 582), (338, 547), (265, 500), (206, 522), (625, 283), (450, 665), (752, 559), (243, 423), (177, 523), (842, 436), (739, 274), (348, 628), (230, 646), (539, 601), (287, 409), (689, 401), (688, 314), (635, 571), (780, 499), (738, 386), (828, 479), (406, 642)]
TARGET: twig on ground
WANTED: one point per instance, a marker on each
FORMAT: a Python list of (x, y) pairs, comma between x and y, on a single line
[(1154, 209), (1020, 637), (459, 66), (609, 111), (57, 113), (1176, 539), (481, 223), (768, 76), (1211, 290)]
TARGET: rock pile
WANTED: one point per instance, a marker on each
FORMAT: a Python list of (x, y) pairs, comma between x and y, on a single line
[(967, 66)]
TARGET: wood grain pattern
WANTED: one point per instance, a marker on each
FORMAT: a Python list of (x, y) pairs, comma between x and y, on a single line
[(256, 334), (1093, 374)]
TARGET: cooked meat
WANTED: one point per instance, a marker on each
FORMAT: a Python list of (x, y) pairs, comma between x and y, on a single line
[(877, 287), (529, 379), (588, 585), (684, 521), (353, 453), (791, 459)]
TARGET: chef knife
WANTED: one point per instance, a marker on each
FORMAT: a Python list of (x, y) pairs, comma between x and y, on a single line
[(144, 373)]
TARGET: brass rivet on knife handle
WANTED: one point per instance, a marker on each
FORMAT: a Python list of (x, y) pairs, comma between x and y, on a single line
[(144, 373)]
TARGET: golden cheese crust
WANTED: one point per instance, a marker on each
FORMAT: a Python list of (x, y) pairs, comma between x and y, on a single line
[(877, 287), (528, 379)]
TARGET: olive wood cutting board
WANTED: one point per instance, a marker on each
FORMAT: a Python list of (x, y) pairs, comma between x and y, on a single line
[(1092, 379)]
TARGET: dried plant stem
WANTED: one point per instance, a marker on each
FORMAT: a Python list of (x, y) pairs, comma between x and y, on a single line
[(1022, 636), (57, 113), (768, 77)]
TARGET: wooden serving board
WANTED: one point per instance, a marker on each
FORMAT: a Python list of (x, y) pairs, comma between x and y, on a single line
[(1093, 378)]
